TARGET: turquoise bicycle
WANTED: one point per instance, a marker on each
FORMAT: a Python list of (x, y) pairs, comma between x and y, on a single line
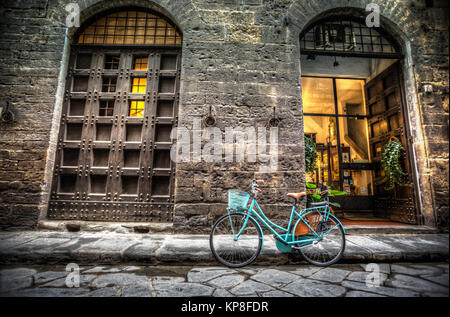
[(237, 238)]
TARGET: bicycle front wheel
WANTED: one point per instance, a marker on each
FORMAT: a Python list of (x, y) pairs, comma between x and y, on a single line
[(330, 248), (232, 250)]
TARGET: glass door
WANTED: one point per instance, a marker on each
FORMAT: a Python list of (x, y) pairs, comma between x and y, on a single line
[(335, 113)]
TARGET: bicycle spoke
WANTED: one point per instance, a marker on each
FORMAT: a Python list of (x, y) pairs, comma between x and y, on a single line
[(235, 252), (330, 248)]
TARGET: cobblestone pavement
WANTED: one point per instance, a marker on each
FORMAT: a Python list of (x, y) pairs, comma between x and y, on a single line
[(350, 280)]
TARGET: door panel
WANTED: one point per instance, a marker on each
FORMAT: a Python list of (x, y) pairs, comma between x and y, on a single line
[(110, 163), (385, 109)]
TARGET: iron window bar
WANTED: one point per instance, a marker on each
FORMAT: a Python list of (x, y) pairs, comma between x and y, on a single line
[(347, 37), (130, 28)]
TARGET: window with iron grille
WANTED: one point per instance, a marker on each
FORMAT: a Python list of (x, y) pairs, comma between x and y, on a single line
[(347, 37), (106, 108), (109, 84), (110, 166), (131, 28)]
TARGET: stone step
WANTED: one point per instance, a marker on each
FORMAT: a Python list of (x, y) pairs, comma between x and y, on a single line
[(381, 229), (98, 226)]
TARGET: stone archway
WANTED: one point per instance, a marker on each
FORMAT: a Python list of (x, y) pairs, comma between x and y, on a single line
[(182, 13), (300, 15)]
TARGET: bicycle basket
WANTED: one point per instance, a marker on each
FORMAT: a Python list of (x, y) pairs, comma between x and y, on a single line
[(237, 200)]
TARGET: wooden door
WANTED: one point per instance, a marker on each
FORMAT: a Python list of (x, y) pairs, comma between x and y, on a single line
[(386, 111), (113, 155)]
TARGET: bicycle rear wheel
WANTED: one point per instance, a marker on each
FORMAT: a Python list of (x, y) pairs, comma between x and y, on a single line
[(229, 250), (330, 248)]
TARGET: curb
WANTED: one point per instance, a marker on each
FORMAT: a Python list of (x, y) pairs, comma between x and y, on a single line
[(112, 248)]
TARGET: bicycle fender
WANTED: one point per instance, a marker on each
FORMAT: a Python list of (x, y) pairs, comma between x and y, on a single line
[(257, 223)]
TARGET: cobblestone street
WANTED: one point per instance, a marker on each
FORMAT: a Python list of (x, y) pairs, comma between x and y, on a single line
[(342, 280)]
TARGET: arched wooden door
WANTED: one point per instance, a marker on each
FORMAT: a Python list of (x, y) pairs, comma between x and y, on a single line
[(121, 102)]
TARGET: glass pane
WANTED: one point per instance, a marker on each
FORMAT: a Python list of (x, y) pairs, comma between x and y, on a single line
[(355, 149), (344, 35), (130, 27), (139, 85), (318, 96), (112, 62), (140, 63), (106, 108), (350, 96), (357, 182), (137, 108), (323, 132), (109, 84)]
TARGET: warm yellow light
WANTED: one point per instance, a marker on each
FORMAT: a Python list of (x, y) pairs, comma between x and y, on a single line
[(139, 85), (331, 128), (137, 108), (130, 27), (141, 63)]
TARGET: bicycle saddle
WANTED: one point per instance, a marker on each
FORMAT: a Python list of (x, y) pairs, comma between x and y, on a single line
[(296, 195)]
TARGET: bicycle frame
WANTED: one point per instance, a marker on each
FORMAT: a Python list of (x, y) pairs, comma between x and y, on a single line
[(262, 218)]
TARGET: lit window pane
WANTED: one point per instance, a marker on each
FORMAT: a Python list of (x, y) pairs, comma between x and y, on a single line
[(318, 95), (140, 63), (139, 85), (137, 108)]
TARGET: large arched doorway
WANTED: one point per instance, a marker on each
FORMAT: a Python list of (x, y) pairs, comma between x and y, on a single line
[(354, 104), (120, 104)]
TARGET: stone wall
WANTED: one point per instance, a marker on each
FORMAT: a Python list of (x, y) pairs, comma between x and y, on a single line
[(31, 47), (248, 66), (241, 58)]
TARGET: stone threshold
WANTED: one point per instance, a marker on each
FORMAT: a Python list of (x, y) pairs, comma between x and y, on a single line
[(100, 226), (403, 229)]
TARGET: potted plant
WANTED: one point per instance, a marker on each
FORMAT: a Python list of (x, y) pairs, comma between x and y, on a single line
[(313, 195), (310, 155), (310, 165), (391, 163)]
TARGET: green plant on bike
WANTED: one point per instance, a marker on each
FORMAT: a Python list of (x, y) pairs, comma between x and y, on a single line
[(237, 237), (313, 194)]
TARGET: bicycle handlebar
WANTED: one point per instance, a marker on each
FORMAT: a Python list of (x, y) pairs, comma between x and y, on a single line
[(255, 187)]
